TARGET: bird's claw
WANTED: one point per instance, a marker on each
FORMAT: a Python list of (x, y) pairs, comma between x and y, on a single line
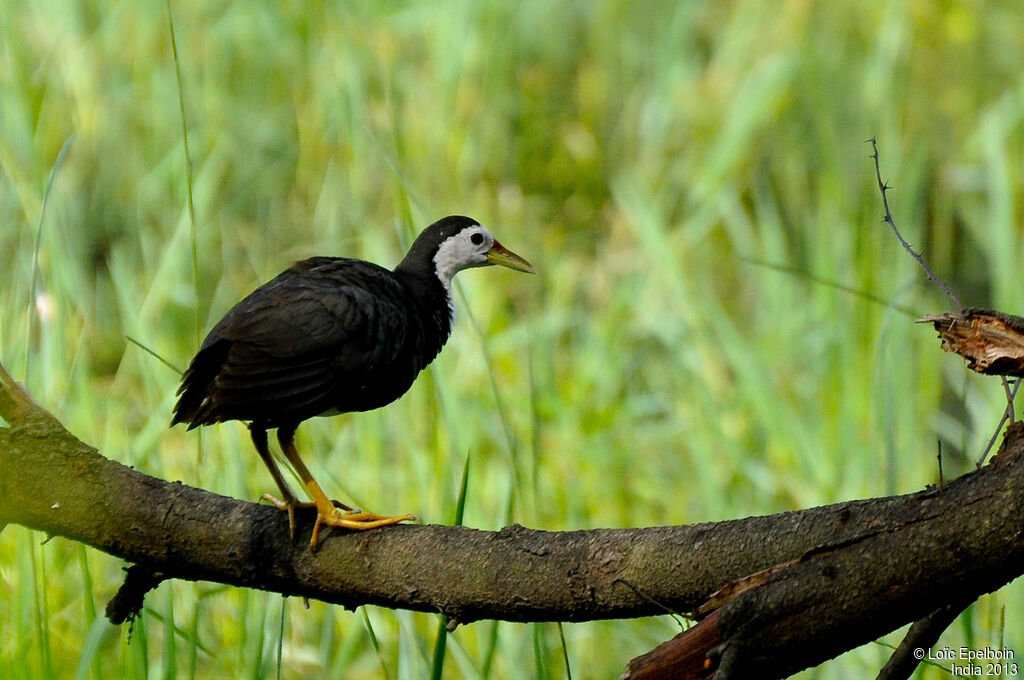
[(352, 518), (288, 505), (355, 520)]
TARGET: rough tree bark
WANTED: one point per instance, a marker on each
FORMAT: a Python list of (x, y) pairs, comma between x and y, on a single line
[(831, 578)]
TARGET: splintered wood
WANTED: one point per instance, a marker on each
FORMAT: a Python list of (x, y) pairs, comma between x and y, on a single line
[(991, 342)]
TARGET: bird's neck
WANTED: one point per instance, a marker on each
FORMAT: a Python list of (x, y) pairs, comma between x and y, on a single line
[(445, 279), (433, 296)]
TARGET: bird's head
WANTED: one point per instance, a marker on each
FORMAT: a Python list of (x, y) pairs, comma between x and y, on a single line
[(455, 243)]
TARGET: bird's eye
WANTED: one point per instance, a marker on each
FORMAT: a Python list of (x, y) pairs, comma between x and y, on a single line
[(476, 238)]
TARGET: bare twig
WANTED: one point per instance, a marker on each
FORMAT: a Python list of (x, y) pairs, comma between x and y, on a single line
[(883, 187), (1006, 416), (921, 637), (1009, 397), (676, 616), (856, 292), (153, 354)]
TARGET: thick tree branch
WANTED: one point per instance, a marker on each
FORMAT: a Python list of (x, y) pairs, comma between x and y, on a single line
[(850, 572), (942, 550)]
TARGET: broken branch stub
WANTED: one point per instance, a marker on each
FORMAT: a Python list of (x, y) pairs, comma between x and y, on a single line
[(991, 342)]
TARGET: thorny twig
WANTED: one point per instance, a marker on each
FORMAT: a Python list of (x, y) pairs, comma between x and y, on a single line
[(926, 631), (883, 187)]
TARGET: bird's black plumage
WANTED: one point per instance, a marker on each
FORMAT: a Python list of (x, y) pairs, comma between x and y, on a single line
[(332, 335), (326, 335)]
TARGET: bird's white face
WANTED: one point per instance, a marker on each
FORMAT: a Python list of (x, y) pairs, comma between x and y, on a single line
[(468, 248)]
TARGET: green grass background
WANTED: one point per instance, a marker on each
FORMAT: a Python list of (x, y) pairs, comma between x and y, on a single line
[(639, 154)]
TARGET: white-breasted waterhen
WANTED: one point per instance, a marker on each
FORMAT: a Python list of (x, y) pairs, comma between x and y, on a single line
[(332, 335)]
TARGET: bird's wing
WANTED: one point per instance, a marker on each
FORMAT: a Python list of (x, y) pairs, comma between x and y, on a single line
[(280, 353)]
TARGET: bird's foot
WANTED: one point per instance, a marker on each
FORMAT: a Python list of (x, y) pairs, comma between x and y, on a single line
[(356, 520), (289, 505)]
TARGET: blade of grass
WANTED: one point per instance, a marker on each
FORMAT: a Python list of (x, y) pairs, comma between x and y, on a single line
[(565, 650), (541, 671), (460, 504), (138, 639), (1002, 626), (499, 402), (173, 630), (197, 322), (33, 287), (153, 354), (437, 662), (90, 612), (491, 648), (257, 640), (243, 646), (99, 631), (967, 626), (170, 659), (536, 422), (41, 609), (188, 172), (376, 644), (407, 195), (280, 636), (193, 631), (492, 638)]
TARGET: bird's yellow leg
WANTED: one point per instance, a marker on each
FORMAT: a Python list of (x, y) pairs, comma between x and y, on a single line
[(326, 511), (288, 501)]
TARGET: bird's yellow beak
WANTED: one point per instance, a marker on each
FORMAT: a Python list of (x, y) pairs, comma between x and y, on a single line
[(499, 254)]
